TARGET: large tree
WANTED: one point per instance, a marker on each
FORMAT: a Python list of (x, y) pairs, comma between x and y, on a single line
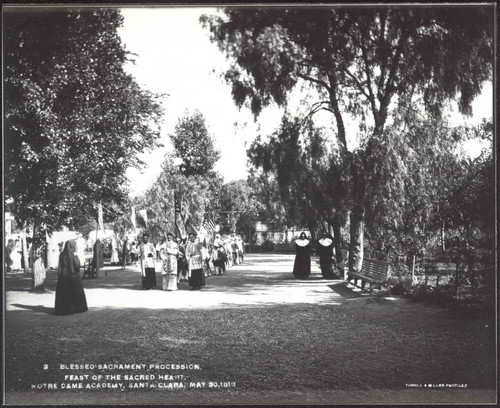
[(360, 62), (187, 179), (74, 120)]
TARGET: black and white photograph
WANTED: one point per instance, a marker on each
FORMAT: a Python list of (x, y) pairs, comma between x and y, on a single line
[(249, 204)]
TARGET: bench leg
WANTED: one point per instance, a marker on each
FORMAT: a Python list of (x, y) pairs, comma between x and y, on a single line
[(370, 288), (363, 284)]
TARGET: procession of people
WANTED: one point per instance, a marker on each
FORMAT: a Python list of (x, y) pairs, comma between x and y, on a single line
[(191, 260)]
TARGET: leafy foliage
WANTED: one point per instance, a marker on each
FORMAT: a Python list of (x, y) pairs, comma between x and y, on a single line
[(240, 207), (359, 58), (194, 145), (74, 120), (194, 181), (370, 63)]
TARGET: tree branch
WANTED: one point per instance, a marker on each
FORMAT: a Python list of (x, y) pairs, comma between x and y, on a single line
[(316, 81)]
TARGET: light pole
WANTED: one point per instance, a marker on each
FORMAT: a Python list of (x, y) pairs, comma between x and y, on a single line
[(177, 162)]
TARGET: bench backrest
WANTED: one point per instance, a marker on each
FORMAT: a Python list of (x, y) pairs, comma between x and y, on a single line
[(375, 269)]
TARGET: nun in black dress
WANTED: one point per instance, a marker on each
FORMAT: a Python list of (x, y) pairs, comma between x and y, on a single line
[(325, 252), (302, 265), (70, 297)]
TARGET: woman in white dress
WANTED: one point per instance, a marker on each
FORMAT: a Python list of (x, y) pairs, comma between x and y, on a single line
[(52, 253), (80, 249), (168, 255), (39, 274), (15, 256), (114, 252)]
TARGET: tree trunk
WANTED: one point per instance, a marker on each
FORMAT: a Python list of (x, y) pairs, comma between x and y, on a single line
[(443, 245), (24, 244), (38, 276), (337, 241), (413, 269), (356, 240), (312, 230)]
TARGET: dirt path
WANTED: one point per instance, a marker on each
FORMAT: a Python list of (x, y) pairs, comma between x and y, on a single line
[(261, 280)]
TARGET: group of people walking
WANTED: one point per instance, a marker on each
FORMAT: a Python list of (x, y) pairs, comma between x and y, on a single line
[(179, 261), (189, 260), (324, 249)]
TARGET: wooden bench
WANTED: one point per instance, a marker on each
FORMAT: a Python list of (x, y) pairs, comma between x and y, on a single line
[(374, 272)]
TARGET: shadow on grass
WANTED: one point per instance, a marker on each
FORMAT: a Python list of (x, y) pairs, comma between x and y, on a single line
[(342, 289), (37, 308)]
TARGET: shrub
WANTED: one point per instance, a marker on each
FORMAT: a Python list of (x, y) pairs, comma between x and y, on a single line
[(421, 292), (267, 246), (400, 285)]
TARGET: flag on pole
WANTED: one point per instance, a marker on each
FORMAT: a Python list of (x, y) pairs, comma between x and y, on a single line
[(144, 215), (132, 218), (209, 225), (100, 217)]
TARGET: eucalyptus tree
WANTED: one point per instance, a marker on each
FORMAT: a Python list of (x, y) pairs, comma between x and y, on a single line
[(360, 61)]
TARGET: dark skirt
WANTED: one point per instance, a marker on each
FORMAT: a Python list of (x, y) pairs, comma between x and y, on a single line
[(302, 264), (149, 281), (197, 279), (325, 263), (70, 297)]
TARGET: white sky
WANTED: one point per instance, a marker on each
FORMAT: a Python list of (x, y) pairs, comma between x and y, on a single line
[(176, 57)]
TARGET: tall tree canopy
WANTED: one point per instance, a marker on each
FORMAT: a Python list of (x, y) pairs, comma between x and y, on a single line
[(361, 62), (194, 145), (188, 174), (74, 119), (359, 59)]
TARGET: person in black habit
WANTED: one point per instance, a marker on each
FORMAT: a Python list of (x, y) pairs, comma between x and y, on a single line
[(325, 252), (302, 264), (70, 296)]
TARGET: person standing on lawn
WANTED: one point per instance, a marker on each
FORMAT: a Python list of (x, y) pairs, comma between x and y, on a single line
[(39, 274), (80, 248), (16, 256), (114, 251), (194, 256), (8, 252), (70, 297), (302, 264), (125, 252), (147, 255), (325, 252), (97, 259), (168, 255), (217, 259), (133, 253)]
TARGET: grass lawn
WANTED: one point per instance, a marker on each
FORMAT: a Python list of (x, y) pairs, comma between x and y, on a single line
[(356, 349)]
